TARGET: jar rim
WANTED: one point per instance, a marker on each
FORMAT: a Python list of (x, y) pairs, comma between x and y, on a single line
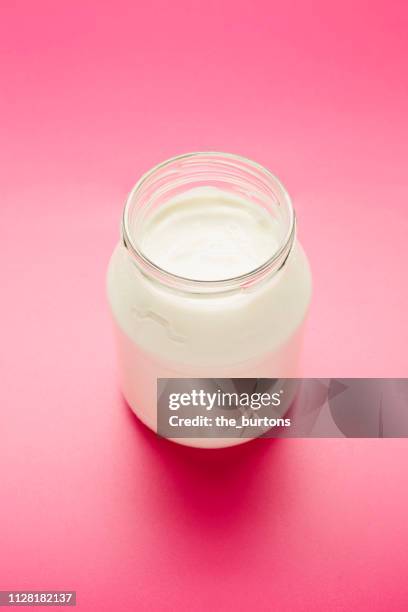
[(272, 265)]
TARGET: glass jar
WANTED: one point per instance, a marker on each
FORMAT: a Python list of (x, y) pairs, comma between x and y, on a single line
[(176, 326)]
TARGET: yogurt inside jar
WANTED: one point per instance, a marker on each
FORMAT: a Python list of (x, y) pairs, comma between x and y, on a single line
[(208, 234), (208, 279)]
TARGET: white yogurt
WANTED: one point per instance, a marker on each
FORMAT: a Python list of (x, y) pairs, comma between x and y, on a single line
[(250, 330), (209, 234)]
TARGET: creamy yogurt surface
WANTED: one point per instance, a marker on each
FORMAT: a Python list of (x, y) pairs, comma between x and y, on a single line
[(209, 234)]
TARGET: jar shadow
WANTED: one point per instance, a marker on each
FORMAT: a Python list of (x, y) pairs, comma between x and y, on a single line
[(216, 488)]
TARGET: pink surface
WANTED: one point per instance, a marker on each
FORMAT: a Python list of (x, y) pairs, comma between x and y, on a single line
[(92, 95)]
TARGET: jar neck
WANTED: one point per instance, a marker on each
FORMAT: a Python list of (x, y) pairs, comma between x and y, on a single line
[(231, 173)]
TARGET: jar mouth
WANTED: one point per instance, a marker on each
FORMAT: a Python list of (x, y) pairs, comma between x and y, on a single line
[(203, 168)]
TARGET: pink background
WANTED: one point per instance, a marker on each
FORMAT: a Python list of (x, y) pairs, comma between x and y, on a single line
[(92, 95)]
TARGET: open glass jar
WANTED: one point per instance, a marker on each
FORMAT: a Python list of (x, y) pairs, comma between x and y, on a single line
[(208, 279)]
